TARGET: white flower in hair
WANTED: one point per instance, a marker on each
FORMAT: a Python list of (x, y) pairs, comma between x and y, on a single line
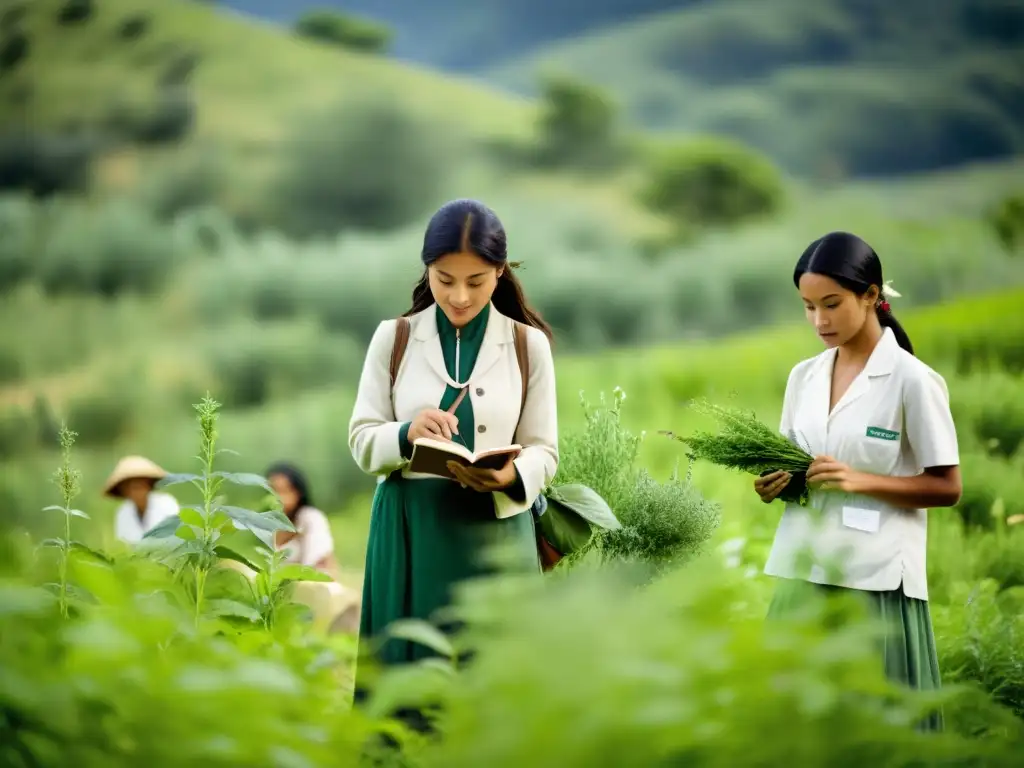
[(889, 292)]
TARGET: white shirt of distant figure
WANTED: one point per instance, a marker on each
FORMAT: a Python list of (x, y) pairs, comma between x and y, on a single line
[(312, 543), (883, 436), (133, 480)]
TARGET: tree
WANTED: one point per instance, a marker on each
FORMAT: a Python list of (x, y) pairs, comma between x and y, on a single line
[(344, 30), (709, 183), (578, 124)]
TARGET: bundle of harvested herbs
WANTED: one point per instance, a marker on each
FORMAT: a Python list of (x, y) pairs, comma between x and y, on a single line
[(747, 444)]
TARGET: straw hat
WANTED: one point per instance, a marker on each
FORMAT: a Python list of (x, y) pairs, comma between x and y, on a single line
[(129, 468)]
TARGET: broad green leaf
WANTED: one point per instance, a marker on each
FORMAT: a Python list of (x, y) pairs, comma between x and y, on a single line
[(245, 478), (408, 685), (56, 543), (232, 608), (586, 503), (264, 521), (22, 601), (221, 522), (179, 479), (192, 516), (423, 633), (164, 529), (88, 551), (66, 511), (295, 572), (186, 533), (242, 546), (563, 529)]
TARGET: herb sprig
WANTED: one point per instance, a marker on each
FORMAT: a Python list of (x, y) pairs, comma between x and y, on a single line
[(747, 444)]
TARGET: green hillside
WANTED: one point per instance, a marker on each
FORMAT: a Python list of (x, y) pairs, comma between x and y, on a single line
[(237, 90), (843, 86)]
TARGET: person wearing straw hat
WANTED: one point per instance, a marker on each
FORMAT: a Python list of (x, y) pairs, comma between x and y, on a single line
[(134, 480)]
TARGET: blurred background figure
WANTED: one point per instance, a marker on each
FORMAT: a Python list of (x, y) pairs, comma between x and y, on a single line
[(134, 479), (312, 544)]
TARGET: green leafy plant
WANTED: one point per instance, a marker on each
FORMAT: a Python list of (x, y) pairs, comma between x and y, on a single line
[(747, 444), (69, 481), (656, 524), (213, 530)]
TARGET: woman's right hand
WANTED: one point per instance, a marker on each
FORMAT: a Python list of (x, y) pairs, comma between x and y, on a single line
[(769, 486), (435, 424)]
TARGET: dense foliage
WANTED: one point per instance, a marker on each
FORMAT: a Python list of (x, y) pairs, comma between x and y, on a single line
[(164, 655)]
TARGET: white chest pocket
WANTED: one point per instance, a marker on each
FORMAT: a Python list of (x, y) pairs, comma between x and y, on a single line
[(875, 447), (870, 430)]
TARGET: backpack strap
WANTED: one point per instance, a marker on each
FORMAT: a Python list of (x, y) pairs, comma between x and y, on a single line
[(398, 350), (523, 356)]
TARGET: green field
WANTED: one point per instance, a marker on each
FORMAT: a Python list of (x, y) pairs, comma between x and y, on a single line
[(169, 274)]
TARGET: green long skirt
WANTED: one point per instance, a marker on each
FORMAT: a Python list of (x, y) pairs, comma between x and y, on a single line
[(908, 649), (426, 536)]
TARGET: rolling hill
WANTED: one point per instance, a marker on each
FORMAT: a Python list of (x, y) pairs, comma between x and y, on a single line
[(844, 86), (470, 36)]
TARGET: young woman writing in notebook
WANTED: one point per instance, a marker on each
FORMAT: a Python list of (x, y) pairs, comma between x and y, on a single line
[(459, 379)]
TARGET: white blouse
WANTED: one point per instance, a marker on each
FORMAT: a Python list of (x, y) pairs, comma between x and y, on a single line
[(127, 525), (314, 541), (893, 420)]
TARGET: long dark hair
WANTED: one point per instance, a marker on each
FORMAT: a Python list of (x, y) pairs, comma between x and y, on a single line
[(298, 482), (856, 267), (470, 226)]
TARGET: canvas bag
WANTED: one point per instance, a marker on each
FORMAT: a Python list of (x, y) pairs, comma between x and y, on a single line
[(560, 529)]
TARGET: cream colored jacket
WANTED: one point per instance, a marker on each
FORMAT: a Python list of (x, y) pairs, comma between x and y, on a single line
[(495, 390)]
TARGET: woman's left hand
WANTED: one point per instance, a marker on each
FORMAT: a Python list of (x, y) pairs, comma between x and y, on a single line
[(484, 480), (830, 475)]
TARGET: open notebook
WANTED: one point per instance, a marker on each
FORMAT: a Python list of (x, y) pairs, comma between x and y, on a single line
[(431, 457)]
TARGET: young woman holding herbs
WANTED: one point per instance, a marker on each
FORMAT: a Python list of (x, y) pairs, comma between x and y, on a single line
[(878, 422), (459, 379)]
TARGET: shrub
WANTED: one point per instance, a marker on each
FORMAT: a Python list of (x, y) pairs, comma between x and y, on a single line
[(990, 406), (113, 249), (14, 49), (663, 524), (711, 183), (17, 241), (1007, 221), (45, 164), (990, 483), (980, 637), (179, 70), (367, 164), (578, 125), (253, 366), (104, 416), (197, 181), (135, 26), (76, 11), (170, 119), (344, 30)]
